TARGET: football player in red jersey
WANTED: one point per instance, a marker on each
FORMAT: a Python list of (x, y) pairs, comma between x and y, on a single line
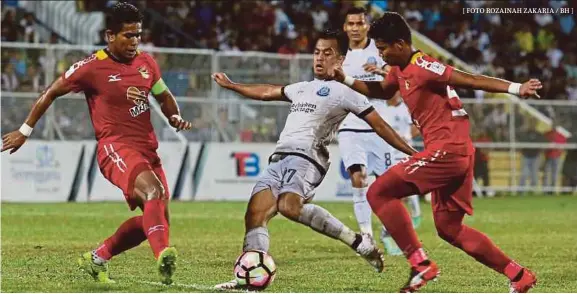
[(445, 167), (116, 82)]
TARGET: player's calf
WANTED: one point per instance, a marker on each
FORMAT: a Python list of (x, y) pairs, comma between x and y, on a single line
[(319, 219)]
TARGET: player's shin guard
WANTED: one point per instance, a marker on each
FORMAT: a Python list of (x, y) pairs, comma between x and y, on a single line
[(320, 220), (127, 236), (362, 210), (256, 239), (155, 225), (396, 219)]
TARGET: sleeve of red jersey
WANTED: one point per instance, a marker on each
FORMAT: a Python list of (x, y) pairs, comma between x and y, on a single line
[(391, 77), (79, 75), (432, 70), (158, 85)]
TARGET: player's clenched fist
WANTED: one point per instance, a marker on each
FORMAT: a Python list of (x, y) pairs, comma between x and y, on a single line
[(222, 80), (529, 89), (179, 124), (13, 141)]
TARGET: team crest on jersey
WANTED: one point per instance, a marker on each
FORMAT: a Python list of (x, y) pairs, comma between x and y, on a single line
[(144, 72), (372, 60), (407, 84), (324, 91), (137, 97)]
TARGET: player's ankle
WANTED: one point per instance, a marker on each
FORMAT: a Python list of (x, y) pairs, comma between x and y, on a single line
[(357, 242), (417, 257), (97, 258), (513, 270)]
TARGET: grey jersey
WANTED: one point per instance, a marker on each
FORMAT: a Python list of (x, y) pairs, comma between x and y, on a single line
[(318, 107)]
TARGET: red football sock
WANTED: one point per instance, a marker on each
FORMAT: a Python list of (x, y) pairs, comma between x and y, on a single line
[(127, 236), (155, 225), (476, 244), (394, 215)]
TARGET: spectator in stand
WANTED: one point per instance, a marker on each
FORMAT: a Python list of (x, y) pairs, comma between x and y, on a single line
[(10, 30), (530, 162), (552, 158), (27, 25), (10, 81)]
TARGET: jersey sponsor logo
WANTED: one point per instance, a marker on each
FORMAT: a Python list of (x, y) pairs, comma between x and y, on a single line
[(144, 72), (324, 91), (77, 65), (134, 94), (434, 66), (114, 78), (407, 84), (372, 60), (303, 107), (247, 164)]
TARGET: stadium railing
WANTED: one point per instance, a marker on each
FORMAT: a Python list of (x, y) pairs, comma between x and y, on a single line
[(507, 146)]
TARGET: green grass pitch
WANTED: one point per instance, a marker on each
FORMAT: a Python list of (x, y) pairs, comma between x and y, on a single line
[(41, 242)]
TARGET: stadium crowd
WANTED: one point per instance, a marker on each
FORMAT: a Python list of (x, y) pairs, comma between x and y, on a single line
[(511, 46)]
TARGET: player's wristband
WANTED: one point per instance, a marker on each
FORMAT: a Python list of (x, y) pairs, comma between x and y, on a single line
[(177, 116), (349, 81), (514, 88), (25, 130)]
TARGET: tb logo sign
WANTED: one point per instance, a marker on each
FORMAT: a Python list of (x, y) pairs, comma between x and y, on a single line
[(247, 164)]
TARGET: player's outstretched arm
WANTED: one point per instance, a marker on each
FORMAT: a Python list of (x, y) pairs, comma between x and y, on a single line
[(379, 90), (169, 106), (262, 92), (14, 140), (385, 131), (466, 80)]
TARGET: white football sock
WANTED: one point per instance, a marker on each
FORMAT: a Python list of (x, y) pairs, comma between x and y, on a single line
[(363, 210)]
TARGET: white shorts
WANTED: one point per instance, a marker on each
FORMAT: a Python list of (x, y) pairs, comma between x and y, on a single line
[(366, 148), (292, 174)]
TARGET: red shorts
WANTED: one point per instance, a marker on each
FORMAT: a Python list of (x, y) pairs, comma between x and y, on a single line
[(121, 164), (448, 176)]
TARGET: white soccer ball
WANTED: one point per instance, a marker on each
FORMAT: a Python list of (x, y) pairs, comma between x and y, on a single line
[(254, 270)]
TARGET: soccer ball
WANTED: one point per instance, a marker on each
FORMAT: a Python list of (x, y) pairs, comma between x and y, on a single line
[(254, 270)]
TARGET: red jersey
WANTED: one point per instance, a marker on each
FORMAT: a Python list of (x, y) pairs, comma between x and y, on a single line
[(554, 137), (435, 107), (105, 82)]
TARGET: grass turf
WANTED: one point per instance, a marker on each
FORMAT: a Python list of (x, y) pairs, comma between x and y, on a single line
[(41, 242)]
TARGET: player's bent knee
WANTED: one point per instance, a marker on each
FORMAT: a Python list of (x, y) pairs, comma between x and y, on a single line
[(447, 232), (147, 186), (358, 174), (290, 205)]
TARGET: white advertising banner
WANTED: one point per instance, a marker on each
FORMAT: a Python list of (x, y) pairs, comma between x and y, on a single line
[(89, 153), (40, 171), (230, 171), (189, 185), (171, 155)]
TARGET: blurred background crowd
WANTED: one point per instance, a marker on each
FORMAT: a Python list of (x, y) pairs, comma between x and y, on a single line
[(511, 46)]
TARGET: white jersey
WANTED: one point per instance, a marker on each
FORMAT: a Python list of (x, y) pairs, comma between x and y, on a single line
[(317, 109), (353, 66), (398, 117)]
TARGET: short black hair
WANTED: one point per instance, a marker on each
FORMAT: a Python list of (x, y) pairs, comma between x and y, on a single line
[(356, 10), (390, 28), (122, 13), (340, 37)]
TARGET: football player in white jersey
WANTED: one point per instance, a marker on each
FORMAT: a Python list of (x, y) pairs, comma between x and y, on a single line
[(301, 158), (363, 152)]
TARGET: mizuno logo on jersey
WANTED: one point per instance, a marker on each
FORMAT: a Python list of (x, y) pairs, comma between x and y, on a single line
[(114, 78)]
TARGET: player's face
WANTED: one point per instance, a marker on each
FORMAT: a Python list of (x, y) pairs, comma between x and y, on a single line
[(325, 57), (125, 43), (392, 53), (356, 27)]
